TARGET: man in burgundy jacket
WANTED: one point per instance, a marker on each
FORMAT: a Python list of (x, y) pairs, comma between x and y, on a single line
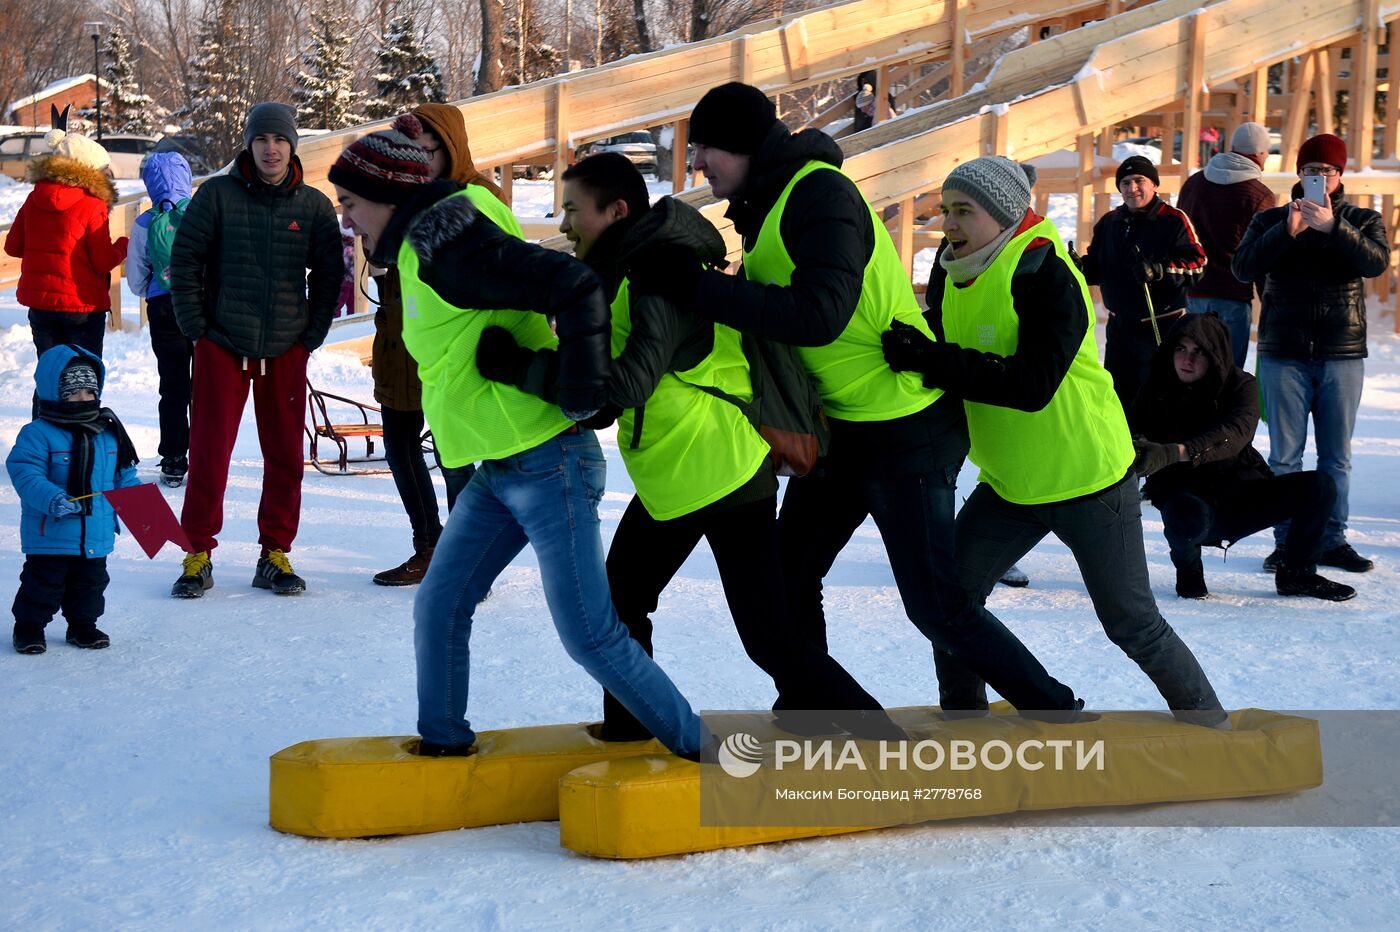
[(1221, 200)]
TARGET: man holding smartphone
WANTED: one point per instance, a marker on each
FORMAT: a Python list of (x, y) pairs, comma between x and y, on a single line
[(1313, 259)]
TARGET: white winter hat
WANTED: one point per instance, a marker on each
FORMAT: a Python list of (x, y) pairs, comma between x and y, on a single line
[(78, 148)]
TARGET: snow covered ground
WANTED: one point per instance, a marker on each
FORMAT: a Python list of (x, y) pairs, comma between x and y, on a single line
[(133, 783)]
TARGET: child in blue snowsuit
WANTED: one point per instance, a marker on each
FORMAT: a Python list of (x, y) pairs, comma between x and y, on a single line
[(61, 462)]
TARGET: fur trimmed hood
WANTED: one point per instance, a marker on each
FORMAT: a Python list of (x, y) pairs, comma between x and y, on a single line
[(440, 224), (65, 171)]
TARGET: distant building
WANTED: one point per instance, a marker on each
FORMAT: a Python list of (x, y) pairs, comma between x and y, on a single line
[(79, 90)]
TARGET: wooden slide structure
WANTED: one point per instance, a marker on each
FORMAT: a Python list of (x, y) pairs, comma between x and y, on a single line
[(1101, 66)]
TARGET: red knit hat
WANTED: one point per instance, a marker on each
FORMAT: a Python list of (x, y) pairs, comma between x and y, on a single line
[(385, 167), (1324, 148)]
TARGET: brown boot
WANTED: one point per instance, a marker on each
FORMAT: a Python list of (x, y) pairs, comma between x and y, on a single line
[(408, 573)]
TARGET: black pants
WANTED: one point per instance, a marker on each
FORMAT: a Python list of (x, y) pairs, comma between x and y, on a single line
[(1129, 346), (1104, 532), (49, 582), (1241, 508), (456, 477), (174, 363), (54, 328), (645, 556), (403, 449), (915, 517)]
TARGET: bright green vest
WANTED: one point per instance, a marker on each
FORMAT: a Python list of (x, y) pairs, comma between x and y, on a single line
[(693, 448), (855, 382), (1079, 442), (472, 418)]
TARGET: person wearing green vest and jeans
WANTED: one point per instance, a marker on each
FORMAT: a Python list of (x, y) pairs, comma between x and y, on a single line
[(1015, 341), (701, 469), (821, 273), (457, 250)]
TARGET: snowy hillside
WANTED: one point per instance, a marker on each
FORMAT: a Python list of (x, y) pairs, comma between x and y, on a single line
[(133, 788)]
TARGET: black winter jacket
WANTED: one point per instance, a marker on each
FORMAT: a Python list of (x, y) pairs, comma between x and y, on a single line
[(473, 264), (1215, 417), (1162, 234), (828, 234), (240, 261), (1314, 304)]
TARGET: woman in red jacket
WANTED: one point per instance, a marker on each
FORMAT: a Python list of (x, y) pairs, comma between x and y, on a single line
[(64, 240)]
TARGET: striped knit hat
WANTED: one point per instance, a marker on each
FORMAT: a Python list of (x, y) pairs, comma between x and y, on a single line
[(1000, 185), (385, 167)]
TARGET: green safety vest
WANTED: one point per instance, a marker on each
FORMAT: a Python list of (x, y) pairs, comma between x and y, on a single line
[(693, 448), (1078, 443), (472, 418), (855, 382)]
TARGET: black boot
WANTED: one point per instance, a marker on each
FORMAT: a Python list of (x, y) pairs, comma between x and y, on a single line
[(87, 636), (1345, 558), (29, 639), (1306, 582), (429, 749), (1191, 583), (1274, 560)]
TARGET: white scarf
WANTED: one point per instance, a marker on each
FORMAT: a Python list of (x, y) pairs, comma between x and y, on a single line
[(968, 267)]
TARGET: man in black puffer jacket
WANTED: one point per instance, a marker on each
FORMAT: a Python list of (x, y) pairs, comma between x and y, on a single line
[(1198, 412), (1313, 261), (242, 293)]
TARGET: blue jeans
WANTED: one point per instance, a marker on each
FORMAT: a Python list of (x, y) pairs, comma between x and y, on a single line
[(547, 496), (1236, 315), (1329, 390)]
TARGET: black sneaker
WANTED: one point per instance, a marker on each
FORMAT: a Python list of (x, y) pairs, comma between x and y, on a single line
[(275, 573), (88, 637), (429, 749), (1191, 584), (1344, 558), (29, 640), (1274, 560), (1015, 578), (172, 470), (196, 575), (1288, 582)]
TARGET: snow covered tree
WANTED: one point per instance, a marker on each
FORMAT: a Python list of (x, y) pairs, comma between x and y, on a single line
[(219, 82), (325, 94), (406, 73), (126, 109)]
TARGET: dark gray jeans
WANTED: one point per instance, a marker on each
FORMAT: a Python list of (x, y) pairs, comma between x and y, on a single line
[(1104, 532)]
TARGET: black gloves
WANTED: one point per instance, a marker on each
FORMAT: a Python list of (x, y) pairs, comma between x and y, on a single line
[(1147, 271), (603, 418), (669, 270), (1153, 456), (906, 348), (500, 358), (1075, 257)]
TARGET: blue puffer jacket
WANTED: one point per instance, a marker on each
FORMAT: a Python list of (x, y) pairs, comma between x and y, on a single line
[(38, 467), (168, 180)]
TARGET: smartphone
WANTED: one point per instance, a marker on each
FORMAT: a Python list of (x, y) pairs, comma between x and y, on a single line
[(1315, 189)]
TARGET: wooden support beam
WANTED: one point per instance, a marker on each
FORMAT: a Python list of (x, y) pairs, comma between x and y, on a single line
[(743, 60), (882, 95), (1259, 96), (904, 242), (1084, 184), (1325, 68), (508, 184), (794, 36), (957, 11), (1195, 75), (1363, 69), (679, 143), (995, 130), (563, 153), (361, 282), (1296, 125), (1389, 149)]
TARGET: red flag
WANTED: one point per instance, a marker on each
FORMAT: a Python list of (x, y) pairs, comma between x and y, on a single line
[(148, 517)]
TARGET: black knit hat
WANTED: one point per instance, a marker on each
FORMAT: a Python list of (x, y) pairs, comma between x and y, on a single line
[(1136, 165), (734, 117), (385, 167), (76, 376)]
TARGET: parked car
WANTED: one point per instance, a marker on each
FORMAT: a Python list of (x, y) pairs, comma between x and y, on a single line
[(637, 147), (127, 151), (17, 150)]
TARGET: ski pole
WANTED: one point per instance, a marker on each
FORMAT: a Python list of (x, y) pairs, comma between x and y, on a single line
[(1147, 296)]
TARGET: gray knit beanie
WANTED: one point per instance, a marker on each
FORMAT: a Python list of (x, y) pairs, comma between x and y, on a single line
[(1249, 139), (269, 117), (1000, 185)]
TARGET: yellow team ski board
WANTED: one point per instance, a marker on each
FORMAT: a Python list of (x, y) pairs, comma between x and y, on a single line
[(643, 807)]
